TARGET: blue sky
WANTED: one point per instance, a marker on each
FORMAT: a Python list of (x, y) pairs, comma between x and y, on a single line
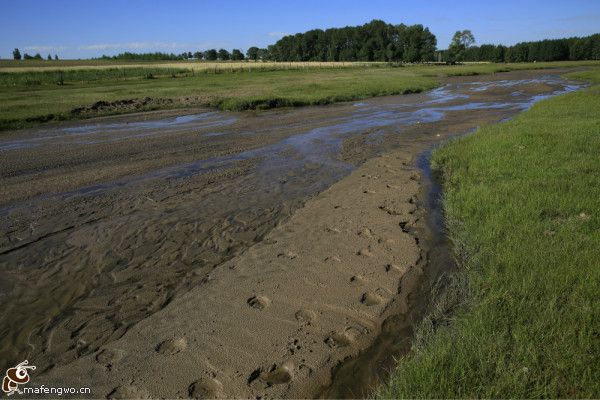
[(74, 29)]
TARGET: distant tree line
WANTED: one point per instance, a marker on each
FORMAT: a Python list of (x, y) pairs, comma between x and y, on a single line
[(253, 53), (37, 56), (379, 41), (374, 41), (575, 49)]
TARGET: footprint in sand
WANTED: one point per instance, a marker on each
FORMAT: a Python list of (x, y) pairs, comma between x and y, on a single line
[(396, 268), (366, 232), (278, 374), (342, 339), (305, 317), (333, 258), (206, 388), (371, 299), (366, 252), (128, 392), (258, 302), (288, 254), (109, 356), (357, 279), (171, 346), (392, 207)]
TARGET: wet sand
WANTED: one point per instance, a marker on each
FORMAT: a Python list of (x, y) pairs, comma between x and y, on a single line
[(249, 253)]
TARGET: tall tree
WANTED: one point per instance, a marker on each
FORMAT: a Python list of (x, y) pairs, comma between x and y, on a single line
[(237, 55), (252, 53), (210, 55), (16, 54), (461, 41), (374, 41), (263, 54), (224, 55)]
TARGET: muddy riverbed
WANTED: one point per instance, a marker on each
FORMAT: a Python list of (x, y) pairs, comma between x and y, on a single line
[(128, 240)]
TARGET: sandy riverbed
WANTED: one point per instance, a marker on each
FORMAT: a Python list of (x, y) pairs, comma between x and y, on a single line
[(223, 254)]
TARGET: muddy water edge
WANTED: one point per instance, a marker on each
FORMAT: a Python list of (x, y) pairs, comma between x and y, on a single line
[(359, 376), (105, 225)]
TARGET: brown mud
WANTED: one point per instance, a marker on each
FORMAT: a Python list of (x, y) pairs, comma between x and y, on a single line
[(250, 252)]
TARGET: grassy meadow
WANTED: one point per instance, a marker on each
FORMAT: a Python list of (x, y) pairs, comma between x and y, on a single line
[(39, 91), (522, 201)]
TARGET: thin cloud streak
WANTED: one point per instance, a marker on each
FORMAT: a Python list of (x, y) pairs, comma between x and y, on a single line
[(45, 48), (278, 34), (134, 46)]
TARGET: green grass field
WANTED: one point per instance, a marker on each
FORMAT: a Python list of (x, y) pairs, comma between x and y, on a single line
[(522, 200), (40, 91)]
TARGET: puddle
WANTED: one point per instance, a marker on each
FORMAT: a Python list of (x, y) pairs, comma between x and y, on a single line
[(114, 132)]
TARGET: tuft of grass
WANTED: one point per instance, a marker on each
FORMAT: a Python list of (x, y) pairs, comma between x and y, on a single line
[(522, 201)]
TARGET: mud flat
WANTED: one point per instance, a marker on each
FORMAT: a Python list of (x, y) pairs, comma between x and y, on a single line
[(223, 254)]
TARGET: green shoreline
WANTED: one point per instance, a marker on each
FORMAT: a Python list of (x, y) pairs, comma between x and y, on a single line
[(522, 204)]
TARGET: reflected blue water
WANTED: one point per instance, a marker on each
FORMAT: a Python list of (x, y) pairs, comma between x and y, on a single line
[(319, 146)]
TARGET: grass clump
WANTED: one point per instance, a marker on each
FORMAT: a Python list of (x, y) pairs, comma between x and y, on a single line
[(522, 202)]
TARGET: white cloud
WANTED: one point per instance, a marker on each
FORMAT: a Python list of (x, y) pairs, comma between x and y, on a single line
[(135, 46), (278, 34), (45, 48)]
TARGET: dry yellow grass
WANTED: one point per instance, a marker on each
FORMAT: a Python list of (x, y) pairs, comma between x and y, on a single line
[(11, 66)]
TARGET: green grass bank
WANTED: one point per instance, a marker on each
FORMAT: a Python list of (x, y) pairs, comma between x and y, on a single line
[(522, 202), (30, 97)]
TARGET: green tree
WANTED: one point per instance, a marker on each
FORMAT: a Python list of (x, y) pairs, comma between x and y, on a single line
[(237, 55), (27, 57), (37, 56), (252, 53), (373, 41), (16, 54), (210, 55), (461, 41), (263, 54), (49, 57), (198, 55), (55, 57), (224, 55)]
